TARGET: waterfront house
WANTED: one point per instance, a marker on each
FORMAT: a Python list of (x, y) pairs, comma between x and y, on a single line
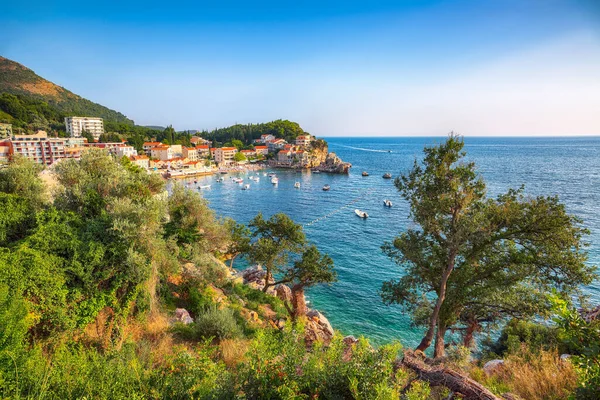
[(163, 153), (276, 144), (224, 155)]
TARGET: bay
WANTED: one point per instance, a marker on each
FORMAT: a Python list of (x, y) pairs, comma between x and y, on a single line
[(567, 167)]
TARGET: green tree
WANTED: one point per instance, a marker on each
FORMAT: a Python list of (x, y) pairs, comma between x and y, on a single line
[(239, 157), (239, 241), (276, 239), (474, 260), (87, 135), (21, 177), (312, 269), (237, 143)]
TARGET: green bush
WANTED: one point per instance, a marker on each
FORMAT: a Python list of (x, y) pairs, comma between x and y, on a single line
[(216, 323), (537, 336)]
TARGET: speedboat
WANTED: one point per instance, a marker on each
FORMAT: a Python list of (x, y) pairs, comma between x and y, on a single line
[(387, 203), (274, 180), (387, 175), (361, 214), (246, 187), (365, 173), (326, 187), (297, 185)]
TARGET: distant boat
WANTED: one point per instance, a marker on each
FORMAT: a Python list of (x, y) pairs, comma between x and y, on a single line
[(246, 187), (205, 187), (316, 171), (223, 172), (361, 214), (326, 187), (297, 185), (387, 175), (274, 180), (387, 203), (271, 173), (389, 151), (265, 174), (365, 173)]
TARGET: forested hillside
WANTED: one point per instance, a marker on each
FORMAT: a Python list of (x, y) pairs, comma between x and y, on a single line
[(19, 80), (284, 129)]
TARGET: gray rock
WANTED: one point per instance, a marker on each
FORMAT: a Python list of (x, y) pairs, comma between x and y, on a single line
[(565, 357), (183, 316)]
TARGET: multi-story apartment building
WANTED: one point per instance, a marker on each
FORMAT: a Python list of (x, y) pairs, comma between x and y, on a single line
[(303, 140), (77, 125), (224, 155), (191, 153), (196, 140), (148, 145), (264, 150), (5, 131), (44, 150), (163, 153), (203, 150)]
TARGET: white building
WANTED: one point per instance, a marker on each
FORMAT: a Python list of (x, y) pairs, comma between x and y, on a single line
[(126, 151), (303, 140), (77, 125)]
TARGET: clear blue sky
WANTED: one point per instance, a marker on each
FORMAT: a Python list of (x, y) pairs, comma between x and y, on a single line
[(480, 67)]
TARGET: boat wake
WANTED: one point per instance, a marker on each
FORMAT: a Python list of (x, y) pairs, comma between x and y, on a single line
[(363, 149)]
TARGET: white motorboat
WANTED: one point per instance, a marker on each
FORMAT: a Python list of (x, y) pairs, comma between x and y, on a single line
[(326, 187), (274, 180), (204, 187), (297, 185), (246, 187), (361, 214), (387, 203)]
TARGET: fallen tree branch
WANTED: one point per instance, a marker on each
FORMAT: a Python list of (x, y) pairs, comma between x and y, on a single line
[(442, 376)]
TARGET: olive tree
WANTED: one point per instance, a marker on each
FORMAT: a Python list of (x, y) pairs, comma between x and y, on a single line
[(470, 259)]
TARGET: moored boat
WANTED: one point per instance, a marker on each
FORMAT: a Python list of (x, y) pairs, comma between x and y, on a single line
[(204, 187), (246, 187), (274, 180), (387, 175), (361, 214), (365, 173), (326, 187), (297, 185), (387, 203)]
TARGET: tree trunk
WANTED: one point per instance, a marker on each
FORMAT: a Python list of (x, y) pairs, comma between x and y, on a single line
[(298, 301), (468, 339), (231, 263), (426, 341), (439, 350), (441, 376), (267, 280)]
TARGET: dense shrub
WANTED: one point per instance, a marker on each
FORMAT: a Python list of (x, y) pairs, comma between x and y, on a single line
[(216, 323)]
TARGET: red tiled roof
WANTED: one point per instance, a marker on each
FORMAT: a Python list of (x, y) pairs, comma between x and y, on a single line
[(260, 147), (202, 146)]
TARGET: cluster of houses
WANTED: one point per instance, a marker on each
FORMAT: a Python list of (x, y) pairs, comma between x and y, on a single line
[(199, 158)]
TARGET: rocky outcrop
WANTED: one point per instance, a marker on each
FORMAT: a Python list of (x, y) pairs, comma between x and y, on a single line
[(317, 328), (334, 164), (255, 278), (284, 293)]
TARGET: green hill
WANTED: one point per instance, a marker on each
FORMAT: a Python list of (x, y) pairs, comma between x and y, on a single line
[(32, 89)]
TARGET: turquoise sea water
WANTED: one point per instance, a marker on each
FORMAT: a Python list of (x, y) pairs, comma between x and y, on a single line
[(568, 167)]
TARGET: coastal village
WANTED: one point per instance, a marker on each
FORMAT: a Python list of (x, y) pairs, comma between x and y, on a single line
[(171, 160)]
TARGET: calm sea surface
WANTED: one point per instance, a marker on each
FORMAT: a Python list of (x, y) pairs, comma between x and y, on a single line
[(568, 167)]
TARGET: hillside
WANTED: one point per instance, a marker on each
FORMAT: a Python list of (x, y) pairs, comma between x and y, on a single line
[(19, 80)]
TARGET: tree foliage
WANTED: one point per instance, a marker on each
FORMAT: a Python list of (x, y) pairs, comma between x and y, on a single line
[(472, 260)]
